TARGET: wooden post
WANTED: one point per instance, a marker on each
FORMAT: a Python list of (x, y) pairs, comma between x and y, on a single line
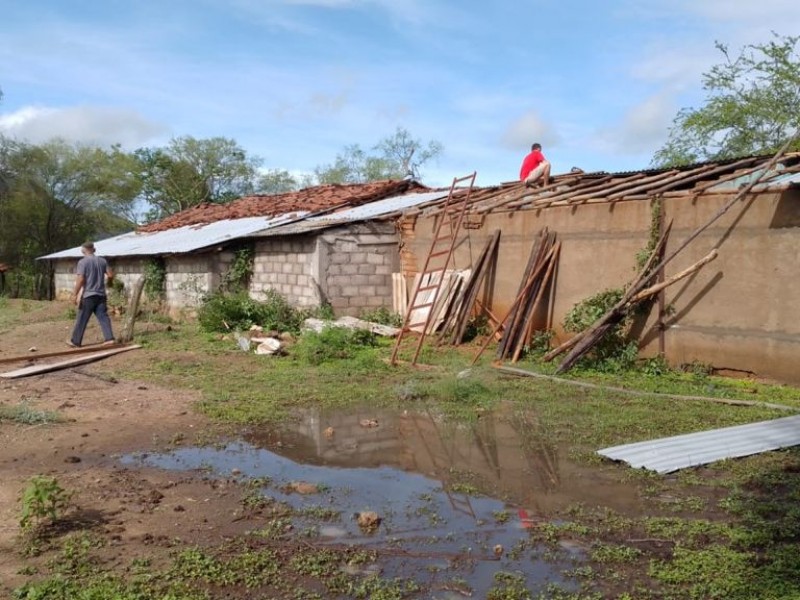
[(133, 308)]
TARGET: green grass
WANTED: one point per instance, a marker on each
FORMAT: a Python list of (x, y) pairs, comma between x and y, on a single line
[(24, 414), (728, 530)]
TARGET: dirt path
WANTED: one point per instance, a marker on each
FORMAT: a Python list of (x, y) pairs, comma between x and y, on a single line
[(135, 510)]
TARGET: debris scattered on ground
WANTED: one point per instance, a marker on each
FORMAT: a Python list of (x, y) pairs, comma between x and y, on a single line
[(329, 432), (268, 346), (368, 520), (303, 487), (351, 323), (242, 341), (368, 422)]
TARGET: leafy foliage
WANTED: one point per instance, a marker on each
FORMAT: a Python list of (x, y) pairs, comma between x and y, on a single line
[(190, 171), (57, 195), (332, 343), (394, 157), (752, 106), (382, 315), (155, 279), (237, 277), (44, 498), (227, 311), (613, 352)]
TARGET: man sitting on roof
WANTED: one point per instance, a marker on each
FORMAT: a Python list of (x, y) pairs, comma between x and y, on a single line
[(535, 167)]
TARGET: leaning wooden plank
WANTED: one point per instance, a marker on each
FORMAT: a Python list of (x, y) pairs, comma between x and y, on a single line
[(65, 364), (590, 339), (33, 357)]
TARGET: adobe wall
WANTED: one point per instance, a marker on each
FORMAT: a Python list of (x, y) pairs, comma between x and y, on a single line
[(738, 312)]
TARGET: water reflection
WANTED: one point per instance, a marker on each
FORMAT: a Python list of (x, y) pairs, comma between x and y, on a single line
[(449, 493), (508, 453)]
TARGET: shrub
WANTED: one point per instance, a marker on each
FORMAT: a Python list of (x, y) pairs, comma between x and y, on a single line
[(613, 352), (382, 315), (223, 311), (332, 343)]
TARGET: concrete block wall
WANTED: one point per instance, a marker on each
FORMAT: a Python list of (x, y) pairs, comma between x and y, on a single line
[(358, 266), (189, 277), (287, 265), (126, 270)]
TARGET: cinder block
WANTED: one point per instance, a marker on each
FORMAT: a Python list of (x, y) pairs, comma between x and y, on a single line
[(375, 259), (286, 268), (340, 302), (366, 269), (383, 270), (367, 290), (351, 291), (335, 270), (360, 280), (351, 269), (384, 291), (338, 258), (377, 280), (291, 279), (373, 301), (358, 257)]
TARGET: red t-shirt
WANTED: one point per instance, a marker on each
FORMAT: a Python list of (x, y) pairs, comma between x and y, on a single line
[(530, 162)]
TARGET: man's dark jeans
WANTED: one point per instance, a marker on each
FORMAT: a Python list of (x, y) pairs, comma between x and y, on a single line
[(92, 305)]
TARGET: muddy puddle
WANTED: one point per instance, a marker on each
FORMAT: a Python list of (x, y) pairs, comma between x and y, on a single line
[(456, 501)]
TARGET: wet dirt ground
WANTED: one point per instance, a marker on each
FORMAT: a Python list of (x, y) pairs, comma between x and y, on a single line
[(148, 473)]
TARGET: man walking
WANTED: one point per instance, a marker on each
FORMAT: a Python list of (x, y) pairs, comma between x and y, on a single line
[(535, 167), (90, 295)]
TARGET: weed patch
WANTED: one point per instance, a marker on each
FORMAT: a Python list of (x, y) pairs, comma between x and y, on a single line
[(25, 415)]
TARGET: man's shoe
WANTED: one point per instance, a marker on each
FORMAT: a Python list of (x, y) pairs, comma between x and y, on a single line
[(71, 345), (109, 343)]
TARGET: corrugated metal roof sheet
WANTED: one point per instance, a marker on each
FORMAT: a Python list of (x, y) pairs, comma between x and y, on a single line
[(310, 199), (775, 181), (179, 240), (365, 212), (690, 450)]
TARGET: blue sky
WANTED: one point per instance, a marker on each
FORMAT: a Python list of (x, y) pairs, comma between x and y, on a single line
[(294, 81)]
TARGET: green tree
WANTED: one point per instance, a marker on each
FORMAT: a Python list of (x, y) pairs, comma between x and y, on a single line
[(752, 106), (277, 181), (394, 157), (191, 171), (56, 195)]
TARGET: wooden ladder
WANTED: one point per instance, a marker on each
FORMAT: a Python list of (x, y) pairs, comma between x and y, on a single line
[(432, 276)]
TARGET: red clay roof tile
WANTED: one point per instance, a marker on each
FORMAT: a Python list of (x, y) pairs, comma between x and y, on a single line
[(321, 197)]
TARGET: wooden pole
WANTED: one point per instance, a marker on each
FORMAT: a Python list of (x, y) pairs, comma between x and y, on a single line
[(133, 308), (675, 278)]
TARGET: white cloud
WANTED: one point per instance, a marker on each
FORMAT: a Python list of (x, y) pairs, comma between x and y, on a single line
[(88, 124), (527, 129), (642, 129)]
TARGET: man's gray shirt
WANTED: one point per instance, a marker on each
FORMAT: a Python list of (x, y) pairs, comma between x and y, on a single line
[(93, 268)]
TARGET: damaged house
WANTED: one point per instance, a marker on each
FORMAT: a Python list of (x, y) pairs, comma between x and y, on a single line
[(346, 245), (332, 244), (737, 313)]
